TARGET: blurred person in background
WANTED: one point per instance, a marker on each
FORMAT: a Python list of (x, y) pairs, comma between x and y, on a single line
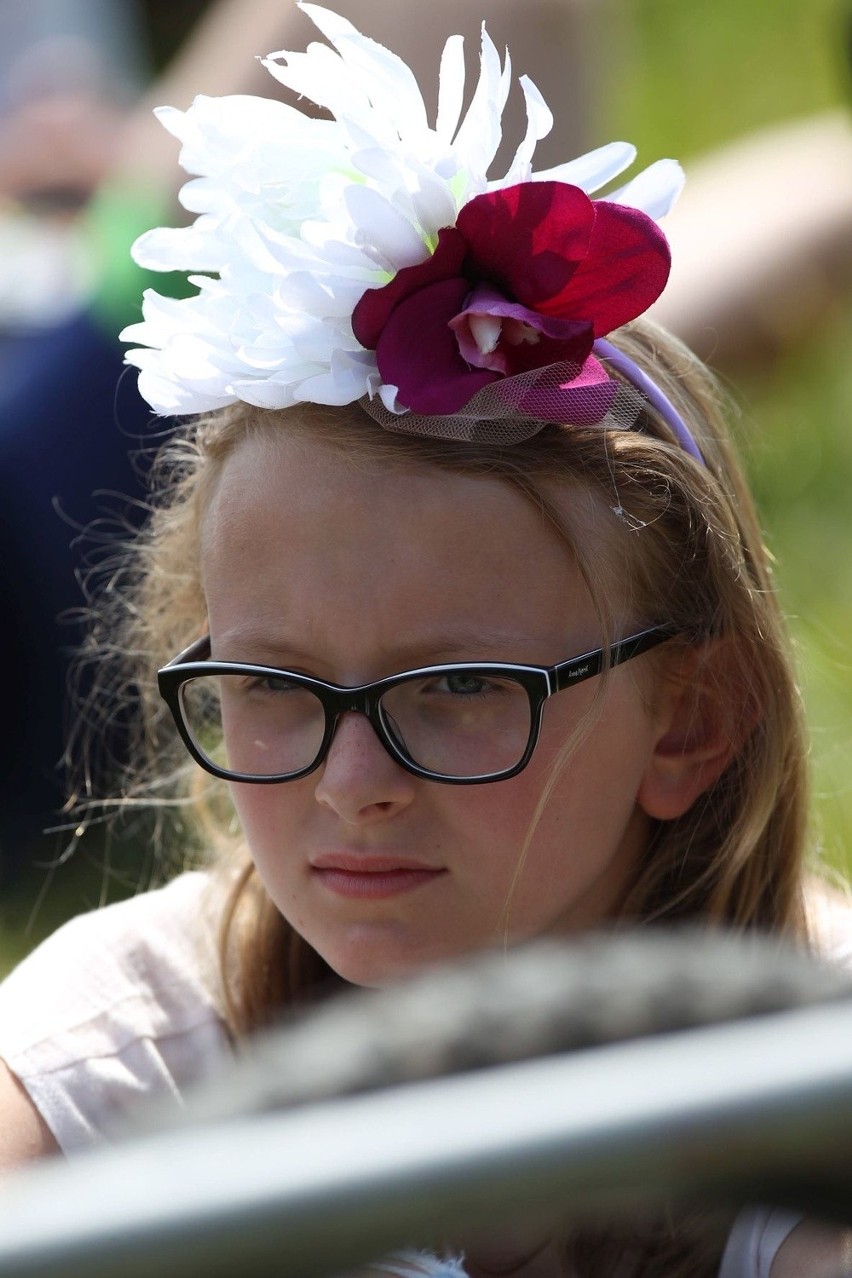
[(69, 72)]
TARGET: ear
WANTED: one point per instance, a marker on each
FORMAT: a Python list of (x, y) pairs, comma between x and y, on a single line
[(705, 717)]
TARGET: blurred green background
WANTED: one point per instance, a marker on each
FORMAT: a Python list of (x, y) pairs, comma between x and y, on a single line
[(691, 76), (696, 76)]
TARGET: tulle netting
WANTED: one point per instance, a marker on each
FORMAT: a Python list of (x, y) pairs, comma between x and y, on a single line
[(513, 409)]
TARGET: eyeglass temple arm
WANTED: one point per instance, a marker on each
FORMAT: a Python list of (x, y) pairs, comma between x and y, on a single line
[(579, 669), (198, 650)]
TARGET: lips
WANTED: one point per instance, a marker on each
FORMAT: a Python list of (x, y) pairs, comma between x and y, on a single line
[(371, 876)]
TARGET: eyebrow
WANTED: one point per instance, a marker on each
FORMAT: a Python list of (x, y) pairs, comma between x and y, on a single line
[(436, 648), (482, 645)]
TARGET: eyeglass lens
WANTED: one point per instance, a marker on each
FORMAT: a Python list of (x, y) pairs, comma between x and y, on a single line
[(456, 724)]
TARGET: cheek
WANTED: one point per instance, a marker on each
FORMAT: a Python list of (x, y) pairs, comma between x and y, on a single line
[(493, 819), (591, 807), (272, 820), (601, 744), (267, 815), (509, 808)]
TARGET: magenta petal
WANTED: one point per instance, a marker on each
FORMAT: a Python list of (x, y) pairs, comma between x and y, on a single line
[(528, 239), (418, 352), (372, 312), (584, 399), (592, 374), (625, 271), (549, 350)]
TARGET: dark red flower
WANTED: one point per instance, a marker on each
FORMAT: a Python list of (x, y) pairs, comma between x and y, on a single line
[(528, 277)]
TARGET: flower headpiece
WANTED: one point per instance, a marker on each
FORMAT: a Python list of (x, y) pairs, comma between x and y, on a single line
[(368, 257)]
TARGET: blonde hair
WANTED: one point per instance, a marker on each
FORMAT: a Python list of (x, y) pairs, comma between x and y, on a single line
[(686, 541)]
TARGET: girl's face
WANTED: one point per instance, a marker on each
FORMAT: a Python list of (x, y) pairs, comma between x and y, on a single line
[(351, 572)]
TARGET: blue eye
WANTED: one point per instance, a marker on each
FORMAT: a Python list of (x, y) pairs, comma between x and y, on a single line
[(271, 685), (466, 685)]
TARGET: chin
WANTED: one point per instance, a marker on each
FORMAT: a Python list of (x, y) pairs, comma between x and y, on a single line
[(377, 959)]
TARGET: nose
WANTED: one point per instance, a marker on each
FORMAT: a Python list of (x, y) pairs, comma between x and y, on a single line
[(359, 780)]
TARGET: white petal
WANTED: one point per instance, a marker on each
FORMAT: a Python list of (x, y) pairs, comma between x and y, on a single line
[(428, 196), (183, 248), (592, 171), (539, 124), (198, 360), (328, 244), (450, 88), (172, 395), (316, 344), (505, 79), (172, 119), (170, 313), (252, 246), (480, 133), (337, 387), (206, 283), (320, 76), (433, 203), (291, 253), (393, 86), (265, 349), (389, 169), (388, 396), (303, 291), (382, 229), (204, 195), (654, 190), (330, 24), (140, 357), (265, 394), (214, 131), (172, 399), (393, 89)]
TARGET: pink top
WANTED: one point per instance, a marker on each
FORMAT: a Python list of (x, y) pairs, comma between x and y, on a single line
[(118, 1005)]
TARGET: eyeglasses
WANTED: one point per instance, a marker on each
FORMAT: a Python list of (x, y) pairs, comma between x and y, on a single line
[(463, 723)]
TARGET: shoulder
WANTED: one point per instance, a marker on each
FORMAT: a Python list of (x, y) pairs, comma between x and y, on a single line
[(766, 1243), (117, 1005), (154, 951)]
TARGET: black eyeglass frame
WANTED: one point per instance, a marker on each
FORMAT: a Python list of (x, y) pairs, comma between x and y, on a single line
[(539, 683)]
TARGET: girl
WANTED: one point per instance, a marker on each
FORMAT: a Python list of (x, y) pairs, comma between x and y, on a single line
[(466, 631)]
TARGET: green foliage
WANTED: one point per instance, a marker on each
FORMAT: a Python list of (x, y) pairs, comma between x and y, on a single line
[(71, 873), (693, 74), (798, 429)]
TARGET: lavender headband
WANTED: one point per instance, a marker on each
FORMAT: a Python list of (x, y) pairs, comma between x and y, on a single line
[(368, 257)]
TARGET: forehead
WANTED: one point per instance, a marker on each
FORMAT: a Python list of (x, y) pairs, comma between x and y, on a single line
[(300, 539)]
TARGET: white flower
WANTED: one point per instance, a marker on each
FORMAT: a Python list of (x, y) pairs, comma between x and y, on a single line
[(297, 217)]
